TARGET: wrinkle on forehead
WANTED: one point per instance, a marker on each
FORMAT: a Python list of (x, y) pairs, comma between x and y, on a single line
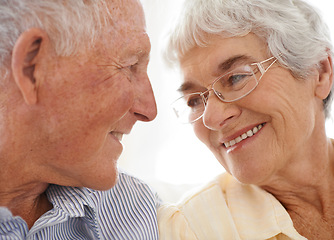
[(124, 41), (123, 20), (129, 12)]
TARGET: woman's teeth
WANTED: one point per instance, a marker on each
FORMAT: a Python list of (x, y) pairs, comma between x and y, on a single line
[(245, 135)]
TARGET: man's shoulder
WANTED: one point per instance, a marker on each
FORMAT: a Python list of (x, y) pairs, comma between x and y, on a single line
[(129, 190), (130, 185), (130, 207), (125, 211), (129, 181)]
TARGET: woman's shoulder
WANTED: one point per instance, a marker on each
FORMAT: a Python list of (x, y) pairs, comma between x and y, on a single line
[(225, 209), (200, 198), (205, 204), (207, 191)]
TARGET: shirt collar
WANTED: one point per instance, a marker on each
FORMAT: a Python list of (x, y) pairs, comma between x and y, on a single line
[(71, 200)]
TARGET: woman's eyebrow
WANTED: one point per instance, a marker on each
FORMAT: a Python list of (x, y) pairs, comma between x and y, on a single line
[(222, 67), (238, 59), (186, 86)]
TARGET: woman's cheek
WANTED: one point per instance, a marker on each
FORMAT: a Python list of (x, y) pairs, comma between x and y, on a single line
[(202, 132)]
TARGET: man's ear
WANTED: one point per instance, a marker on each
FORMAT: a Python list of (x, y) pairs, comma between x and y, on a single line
[(325, 80), (25, 56)]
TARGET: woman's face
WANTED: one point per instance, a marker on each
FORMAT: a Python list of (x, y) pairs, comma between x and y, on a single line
[(286, 112)]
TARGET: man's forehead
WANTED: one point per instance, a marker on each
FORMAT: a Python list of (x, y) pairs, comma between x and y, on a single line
[(126, 20), (126, 10), (123, 44), (139, 45)]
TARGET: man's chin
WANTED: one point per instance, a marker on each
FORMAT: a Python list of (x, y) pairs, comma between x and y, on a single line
[(104, 183)]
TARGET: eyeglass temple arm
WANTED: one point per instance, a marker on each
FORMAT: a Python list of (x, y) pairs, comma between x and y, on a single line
[(176, 113), (260, 65)]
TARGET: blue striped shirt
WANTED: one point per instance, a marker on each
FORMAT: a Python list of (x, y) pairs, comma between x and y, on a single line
[(127, 211)]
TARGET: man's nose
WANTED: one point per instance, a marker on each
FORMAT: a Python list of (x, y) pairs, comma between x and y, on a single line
[(144, 106)]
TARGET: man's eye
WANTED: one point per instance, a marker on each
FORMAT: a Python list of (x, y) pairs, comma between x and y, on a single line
[(134, 66), (129, 70)]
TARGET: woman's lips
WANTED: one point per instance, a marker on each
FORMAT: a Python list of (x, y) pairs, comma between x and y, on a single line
[(243, 136)]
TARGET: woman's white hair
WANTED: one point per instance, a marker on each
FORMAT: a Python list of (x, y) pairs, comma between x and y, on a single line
[(294, 31), (68, 23)]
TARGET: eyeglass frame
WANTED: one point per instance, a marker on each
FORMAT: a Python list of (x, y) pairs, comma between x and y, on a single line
[(219, 95)]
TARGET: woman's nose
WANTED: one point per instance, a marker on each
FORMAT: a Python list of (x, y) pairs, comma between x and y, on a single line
[(218, 113)]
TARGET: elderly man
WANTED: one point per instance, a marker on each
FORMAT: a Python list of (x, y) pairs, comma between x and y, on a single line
[(73, 81)]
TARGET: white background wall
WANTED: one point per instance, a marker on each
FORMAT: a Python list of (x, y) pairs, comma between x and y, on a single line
[(165, 151)]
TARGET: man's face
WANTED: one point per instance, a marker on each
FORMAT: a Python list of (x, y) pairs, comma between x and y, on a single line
[(91, 99)]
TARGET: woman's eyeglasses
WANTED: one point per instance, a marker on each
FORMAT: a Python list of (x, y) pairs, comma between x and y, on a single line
[(229, 87)]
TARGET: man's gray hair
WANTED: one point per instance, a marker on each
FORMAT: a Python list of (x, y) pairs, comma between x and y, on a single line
[(294, 31), (68, 23)]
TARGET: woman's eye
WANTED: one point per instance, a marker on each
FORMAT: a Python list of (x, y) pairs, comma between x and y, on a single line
[(235, 81), (194, 101)]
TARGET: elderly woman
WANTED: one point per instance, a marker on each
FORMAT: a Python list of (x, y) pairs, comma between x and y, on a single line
[(257, 89)]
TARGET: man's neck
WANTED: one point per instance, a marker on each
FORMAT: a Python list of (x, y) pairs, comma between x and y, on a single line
[(29, 202)]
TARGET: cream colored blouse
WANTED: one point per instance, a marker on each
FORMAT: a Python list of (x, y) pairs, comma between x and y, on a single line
[(226, 209)]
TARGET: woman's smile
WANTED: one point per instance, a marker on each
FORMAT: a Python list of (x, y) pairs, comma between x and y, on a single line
[(247, 134)]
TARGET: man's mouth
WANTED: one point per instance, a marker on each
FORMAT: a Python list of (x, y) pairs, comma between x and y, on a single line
[(117, 135), (244, 136)]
